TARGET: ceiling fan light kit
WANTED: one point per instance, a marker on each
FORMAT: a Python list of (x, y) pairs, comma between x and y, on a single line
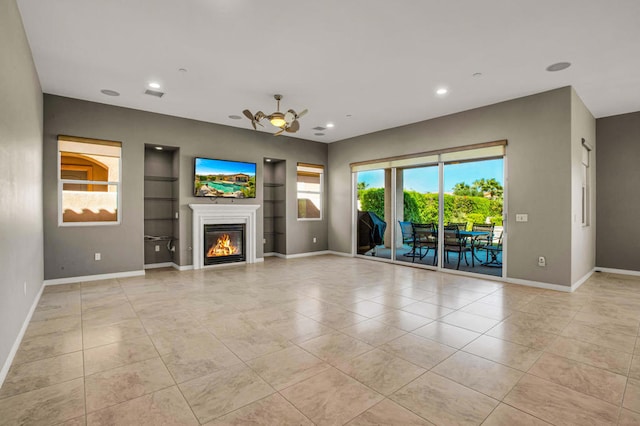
[(284, 121)]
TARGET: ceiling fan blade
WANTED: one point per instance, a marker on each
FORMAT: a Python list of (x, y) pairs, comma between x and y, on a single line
[(289, 116), (248, 114), (293, 127), (279, 132), (303, 112)]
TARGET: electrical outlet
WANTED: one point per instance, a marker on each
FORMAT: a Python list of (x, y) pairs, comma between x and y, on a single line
[(97, 256), (177, 215), (157, 247), (315, 240), (542, 261), (264, 241), (522, 217)]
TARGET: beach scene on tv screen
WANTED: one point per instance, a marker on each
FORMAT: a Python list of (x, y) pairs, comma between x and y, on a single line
[(228, 179)]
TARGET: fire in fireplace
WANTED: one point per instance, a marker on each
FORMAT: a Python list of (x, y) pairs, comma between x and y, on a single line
[(223, 243)]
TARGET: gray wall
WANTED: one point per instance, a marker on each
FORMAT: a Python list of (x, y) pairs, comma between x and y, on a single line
[(20, 178), (618, 181), (538, 174), (69, 251), (583, 238)]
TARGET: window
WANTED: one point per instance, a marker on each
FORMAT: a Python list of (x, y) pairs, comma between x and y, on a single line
[(88, 181), (586, 199), (310, 191)]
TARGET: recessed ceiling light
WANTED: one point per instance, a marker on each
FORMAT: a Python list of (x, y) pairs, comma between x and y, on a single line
[(159, 148), (154, 85), (330, 125), (477, 74), (441, 91), (558, 66), (235, 117), (268, 160), (182, 69), (348, 116), (109, 92), (319, 134)]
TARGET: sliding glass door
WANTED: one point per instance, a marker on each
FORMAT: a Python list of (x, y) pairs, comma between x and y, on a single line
[(374, 213), (473, 198), (441, 210), (417, 215)]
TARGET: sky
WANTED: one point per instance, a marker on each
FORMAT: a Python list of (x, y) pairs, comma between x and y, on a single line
[(425, 179), (205, 166)]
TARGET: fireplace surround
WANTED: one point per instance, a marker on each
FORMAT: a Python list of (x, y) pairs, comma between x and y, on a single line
[(211, 214)]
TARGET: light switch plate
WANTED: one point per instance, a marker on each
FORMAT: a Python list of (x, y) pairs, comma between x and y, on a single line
[(522, 217)]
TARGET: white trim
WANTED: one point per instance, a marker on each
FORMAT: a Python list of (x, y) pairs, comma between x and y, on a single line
[(582, 280), (259, 259), (274, 254), (618, 271), (16, 344), (299, 255), (209, 214), (160, 265), (182, 267), (538, 284), (340, 253), (308, 254), (70, 280)]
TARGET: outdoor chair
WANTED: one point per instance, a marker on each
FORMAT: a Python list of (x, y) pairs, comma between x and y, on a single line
[(482, 241), (454, 243), (406, 228), (494, 250), (460, 225), (425, 236)]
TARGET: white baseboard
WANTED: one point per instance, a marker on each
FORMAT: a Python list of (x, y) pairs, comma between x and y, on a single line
[(182, 267), (160, 265), (16, 344), (299, 255), (71, 280), (274, 254), (538, 284), (259, 259), (618, 271), (582, 280), (339, 253)]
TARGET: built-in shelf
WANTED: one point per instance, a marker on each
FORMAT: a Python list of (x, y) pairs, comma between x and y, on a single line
[(148, 238), (275, 208), (161, 205), (161, 178)]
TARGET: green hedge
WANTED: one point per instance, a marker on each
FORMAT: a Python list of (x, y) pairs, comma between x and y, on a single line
[(423, 208)]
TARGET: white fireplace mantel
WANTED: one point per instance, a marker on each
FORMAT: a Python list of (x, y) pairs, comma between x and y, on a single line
[(213, 214)]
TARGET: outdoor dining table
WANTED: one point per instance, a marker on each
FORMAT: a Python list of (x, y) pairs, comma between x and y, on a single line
[(472, 235)]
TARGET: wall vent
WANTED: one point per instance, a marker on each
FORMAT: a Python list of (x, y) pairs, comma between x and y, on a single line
[(154, 93)]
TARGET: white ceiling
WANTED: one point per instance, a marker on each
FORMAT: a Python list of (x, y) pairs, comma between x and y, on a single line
[(378, 61)]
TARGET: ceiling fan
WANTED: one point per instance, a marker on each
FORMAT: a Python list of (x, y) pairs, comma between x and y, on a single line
[(287, 121)]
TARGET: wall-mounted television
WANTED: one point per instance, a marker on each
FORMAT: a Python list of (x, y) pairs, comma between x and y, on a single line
[(223, 178)]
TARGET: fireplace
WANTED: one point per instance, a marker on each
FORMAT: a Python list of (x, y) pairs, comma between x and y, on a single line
[(224, 243), (223, 214)]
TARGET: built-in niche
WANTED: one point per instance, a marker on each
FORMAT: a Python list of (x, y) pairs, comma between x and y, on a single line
[(274, 206), (161, 220)]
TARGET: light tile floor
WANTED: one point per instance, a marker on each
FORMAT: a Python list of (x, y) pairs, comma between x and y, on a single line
[(327, 340)]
